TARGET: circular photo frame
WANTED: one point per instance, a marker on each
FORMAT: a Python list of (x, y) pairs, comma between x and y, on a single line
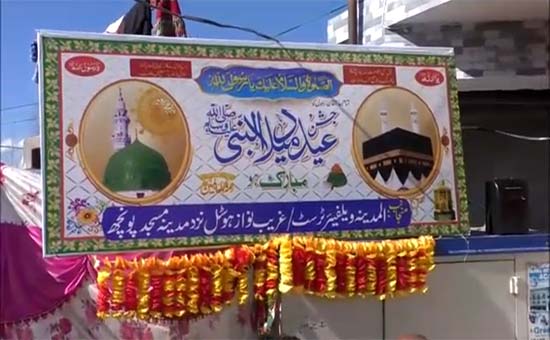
[(134, 142), (396, 145)]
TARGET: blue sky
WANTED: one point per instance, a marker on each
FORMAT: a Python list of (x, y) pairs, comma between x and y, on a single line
[(21, 18)]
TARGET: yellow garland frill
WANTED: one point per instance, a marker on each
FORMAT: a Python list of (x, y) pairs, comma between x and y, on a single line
[(199, 284)]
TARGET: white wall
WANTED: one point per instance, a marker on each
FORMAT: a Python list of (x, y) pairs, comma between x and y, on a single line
[(468, 298)]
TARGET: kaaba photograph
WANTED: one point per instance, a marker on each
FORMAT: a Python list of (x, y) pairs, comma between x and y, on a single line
[(396, 142)]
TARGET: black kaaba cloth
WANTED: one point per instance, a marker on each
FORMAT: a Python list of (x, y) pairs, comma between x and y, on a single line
[(400, 150)]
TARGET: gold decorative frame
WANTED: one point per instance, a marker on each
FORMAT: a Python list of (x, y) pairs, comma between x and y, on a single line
[(368, 178), (170, 188)]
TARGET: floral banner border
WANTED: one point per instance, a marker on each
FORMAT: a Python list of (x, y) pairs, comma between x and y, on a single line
[(51, 47)]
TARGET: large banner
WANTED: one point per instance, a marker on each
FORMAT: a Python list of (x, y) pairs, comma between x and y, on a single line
[(539, 300), (164, 143)]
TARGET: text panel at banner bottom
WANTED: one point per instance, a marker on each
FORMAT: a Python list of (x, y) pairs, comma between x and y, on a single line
[(155, 222)]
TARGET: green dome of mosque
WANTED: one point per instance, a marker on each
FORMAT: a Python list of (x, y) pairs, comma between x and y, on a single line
[(136, 167)]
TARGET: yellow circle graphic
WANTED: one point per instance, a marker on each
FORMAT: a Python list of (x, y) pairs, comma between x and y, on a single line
[(135, 145), (158, 113), (396, 143)]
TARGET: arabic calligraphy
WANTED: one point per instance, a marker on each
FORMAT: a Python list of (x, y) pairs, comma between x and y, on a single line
[(272, 83), (84, 66), (400, 210), (429, 77), (222, 120), (260, 138), (133, 222), (281, 180), (369, 75), (158, 68), (330, 102), (217, 183)]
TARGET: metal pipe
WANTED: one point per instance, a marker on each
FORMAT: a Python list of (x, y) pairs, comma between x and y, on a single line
[(11, 147), (352, 22)]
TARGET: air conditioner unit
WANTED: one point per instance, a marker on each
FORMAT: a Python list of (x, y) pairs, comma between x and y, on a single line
[(31, 153)]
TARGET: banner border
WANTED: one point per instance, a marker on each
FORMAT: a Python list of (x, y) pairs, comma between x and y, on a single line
[(51, 47)]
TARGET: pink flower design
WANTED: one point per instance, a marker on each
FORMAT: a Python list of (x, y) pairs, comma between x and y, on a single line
[(91, 316), (212, 321), (126, 331), (77, 204), (24, 333), (30, 197), (147, 334), (65, 326), (179, 329), (27, 334), (2, 176), (6, 332), (241, 316)]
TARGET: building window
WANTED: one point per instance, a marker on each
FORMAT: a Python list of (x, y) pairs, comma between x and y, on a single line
[(35, 158)]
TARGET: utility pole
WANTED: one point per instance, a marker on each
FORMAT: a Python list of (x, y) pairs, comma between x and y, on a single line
[(352, 22)]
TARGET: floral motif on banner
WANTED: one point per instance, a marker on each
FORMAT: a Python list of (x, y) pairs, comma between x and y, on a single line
[(278, 165)]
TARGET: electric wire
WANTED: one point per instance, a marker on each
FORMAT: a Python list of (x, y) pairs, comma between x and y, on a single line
[(312, 20), (9, 108)]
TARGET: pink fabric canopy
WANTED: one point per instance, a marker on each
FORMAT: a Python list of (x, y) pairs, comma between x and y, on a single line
[(31, 285), (53, 299)]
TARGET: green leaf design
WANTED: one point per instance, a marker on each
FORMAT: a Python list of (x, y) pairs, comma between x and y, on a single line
[(52, 198)]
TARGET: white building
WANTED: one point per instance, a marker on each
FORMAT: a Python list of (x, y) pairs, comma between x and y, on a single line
[(502, 56), (493, 39)]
